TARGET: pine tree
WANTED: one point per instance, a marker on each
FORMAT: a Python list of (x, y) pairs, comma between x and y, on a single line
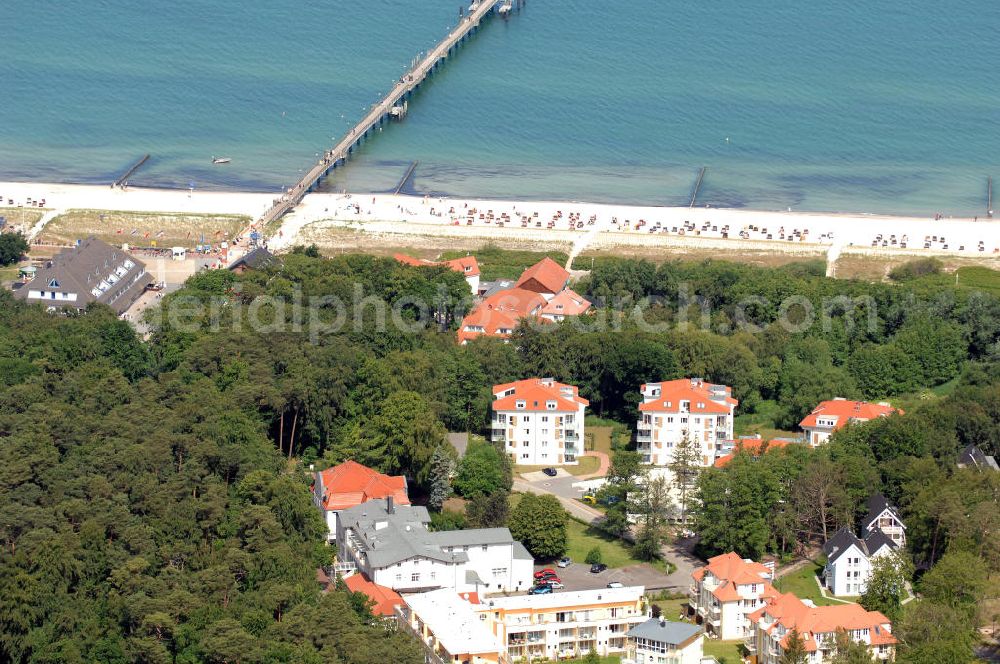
[(794, 651), (684, 468), (442, 467)]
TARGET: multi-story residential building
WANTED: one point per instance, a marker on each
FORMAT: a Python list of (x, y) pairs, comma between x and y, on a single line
[(467, 266), (392, 546), (659, 641), (564, 624), (350, 484), (688, 408), (92, 271), (885, 517), (831, 416), (849, 560), (726, 591), (449, 629), (538, 421), (818, 628)]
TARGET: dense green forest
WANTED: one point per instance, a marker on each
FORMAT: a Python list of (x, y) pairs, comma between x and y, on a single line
[(154, 496)]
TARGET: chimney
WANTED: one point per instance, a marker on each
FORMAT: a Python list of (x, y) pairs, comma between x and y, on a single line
[(389, 508)]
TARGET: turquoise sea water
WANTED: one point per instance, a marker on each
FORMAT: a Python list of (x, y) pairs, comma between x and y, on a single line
[(840, 106)]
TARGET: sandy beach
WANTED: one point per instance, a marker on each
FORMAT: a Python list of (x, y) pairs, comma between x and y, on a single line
[(577, 224)]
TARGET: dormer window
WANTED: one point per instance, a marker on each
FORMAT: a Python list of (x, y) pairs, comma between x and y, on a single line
[(520, 405), (550, 405), (53, 283)]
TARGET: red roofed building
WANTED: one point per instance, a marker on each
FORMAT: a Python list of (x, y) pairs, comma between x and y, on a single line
[(538, 421), (754, 446), (546, 277), (350, 484), (834, 415), (818, 626), (565, 303), (726, 591), (686, 408), (467, 266), (499, 314), (385, 599)]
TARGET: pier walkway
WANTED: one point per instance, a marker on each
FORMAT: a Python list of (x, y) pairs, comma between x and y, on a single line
[(380, 112)]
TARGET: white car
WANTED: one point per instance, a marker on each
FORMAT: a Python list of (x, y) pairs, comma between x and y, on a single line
[(616, 584), (564, 562), (555, 585)]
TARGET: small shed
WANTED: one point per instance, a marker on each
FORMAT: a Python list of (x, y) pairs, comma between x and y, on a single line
[(178, 253)]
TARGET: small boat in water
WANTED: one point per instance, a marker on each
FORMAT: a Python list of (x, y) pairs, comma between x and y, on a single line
[(221, 160)]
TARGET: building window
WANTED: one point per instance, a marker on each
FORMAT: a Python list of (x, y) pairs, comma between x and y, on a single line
[(399, 577), (415, 577)]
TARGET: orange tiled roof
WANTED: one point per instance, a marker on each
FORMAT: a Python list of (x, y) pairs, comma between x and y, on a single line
[(791, 612), (730, 567), (351, 484), (844, 411), (566, 303), (500, 312), (386, 599), (467, 265), (545, 276), (684, 389), (535, 392)]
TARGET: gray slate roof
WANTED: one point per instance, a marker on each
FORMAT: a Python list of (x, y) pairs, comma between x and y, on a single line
[(391, 538), (973, 457), (255, 260), (876, 505), (521, 553), (876, 539), (844, 538), (673, 633), (92, 264)]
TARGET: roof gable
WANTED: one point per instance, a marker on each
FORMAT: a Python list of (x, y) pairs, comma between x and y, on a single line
[(545, 276)]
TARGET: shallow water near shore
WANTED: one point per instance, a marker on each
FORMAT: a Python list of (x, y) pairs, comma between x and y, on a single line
[(826, 106)]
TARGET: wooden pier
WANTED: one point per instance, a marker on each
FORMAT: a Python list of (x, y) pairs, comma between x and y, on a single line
[(406, 177), (989, 198), (697, 186), (382, 111), (120, 182)]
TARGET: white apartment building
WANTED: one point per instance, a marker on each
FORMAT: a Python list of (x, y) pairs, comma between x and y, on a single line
[(885, 517), (849, 560), (538, 421), (659, 641), (831, 416), (565, 624), (817, 625), (392, 546), (726, 591), (686, 408)]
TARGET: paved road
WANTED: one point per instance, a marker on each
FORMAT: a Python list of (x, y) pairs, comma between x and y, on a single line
[(555, 487)]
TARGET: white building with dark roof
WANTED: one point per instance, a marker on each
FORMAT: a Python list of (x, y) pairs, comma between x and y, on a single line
[(93, 271), (849, 560), (659, 641), (392, 546), (883, 516), (975, 458)]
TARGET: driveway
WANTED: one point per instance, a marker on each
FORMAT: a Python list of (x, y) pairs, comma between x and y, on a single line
[(558, 487), (578, 577)]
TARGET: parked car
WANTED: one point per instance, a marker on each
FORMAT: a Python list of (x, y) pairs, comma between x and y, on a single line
[(590, 499), (541, 590), (616, 584), (543, 572), (551, 472), (547, 578), (565, 561), (555, 584), (597, 568)]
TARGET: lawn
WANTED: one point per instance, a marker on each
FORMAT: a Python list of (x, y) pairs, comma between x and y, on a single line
[(979, 278), (8, 274), (762, 421), (143, 229), (802, 583), (584, 466), (497, 263), (22, 218), (581, 538), (727, 652), (599, 438)]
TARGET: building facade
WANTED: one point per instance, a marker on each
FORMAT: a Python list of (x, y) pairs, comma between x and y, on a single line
[(688, 408), (849, 560), (818, 628), (564, 624), (449, 629), (538, 421), (392, 546), (726, 591), (885, 517), (831, 416), (658, 641)]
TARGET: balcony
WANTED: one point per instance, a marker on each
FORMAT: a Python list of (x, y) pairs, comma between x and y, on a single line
[(750, 643)]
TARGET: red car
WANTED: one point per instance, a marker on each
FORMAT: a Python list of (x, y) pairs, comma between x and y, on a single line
[(548, 571)]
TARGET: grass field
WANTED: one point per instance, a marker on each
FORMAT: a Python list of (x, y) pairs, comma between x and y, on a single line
[(496, 263), (25, 218), (762, 422), (600, 438), (581, 538), (802, 583), (161, 229), (727, 652), (584, 466)]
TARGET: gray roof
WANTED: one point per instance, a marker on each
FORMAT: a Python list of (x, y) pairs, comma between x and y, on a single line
[(876, 539), (521, 553), (387, 539), (973, 457), (487, 288), (255, 260), (840, 542), (117, 275), (876, 505), (674, 633)]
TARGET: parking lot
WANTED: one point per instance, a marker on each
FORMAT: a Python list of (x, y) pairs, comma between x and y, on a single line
[(578, 577)]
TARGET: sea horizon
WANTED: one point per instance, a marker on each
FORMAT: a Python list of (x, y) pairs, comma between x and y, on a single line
[(881, 111)]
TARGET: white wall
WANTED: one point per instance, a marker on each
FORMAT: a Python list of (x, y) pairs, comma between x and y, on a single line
[(848, 575), (538, 430)]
